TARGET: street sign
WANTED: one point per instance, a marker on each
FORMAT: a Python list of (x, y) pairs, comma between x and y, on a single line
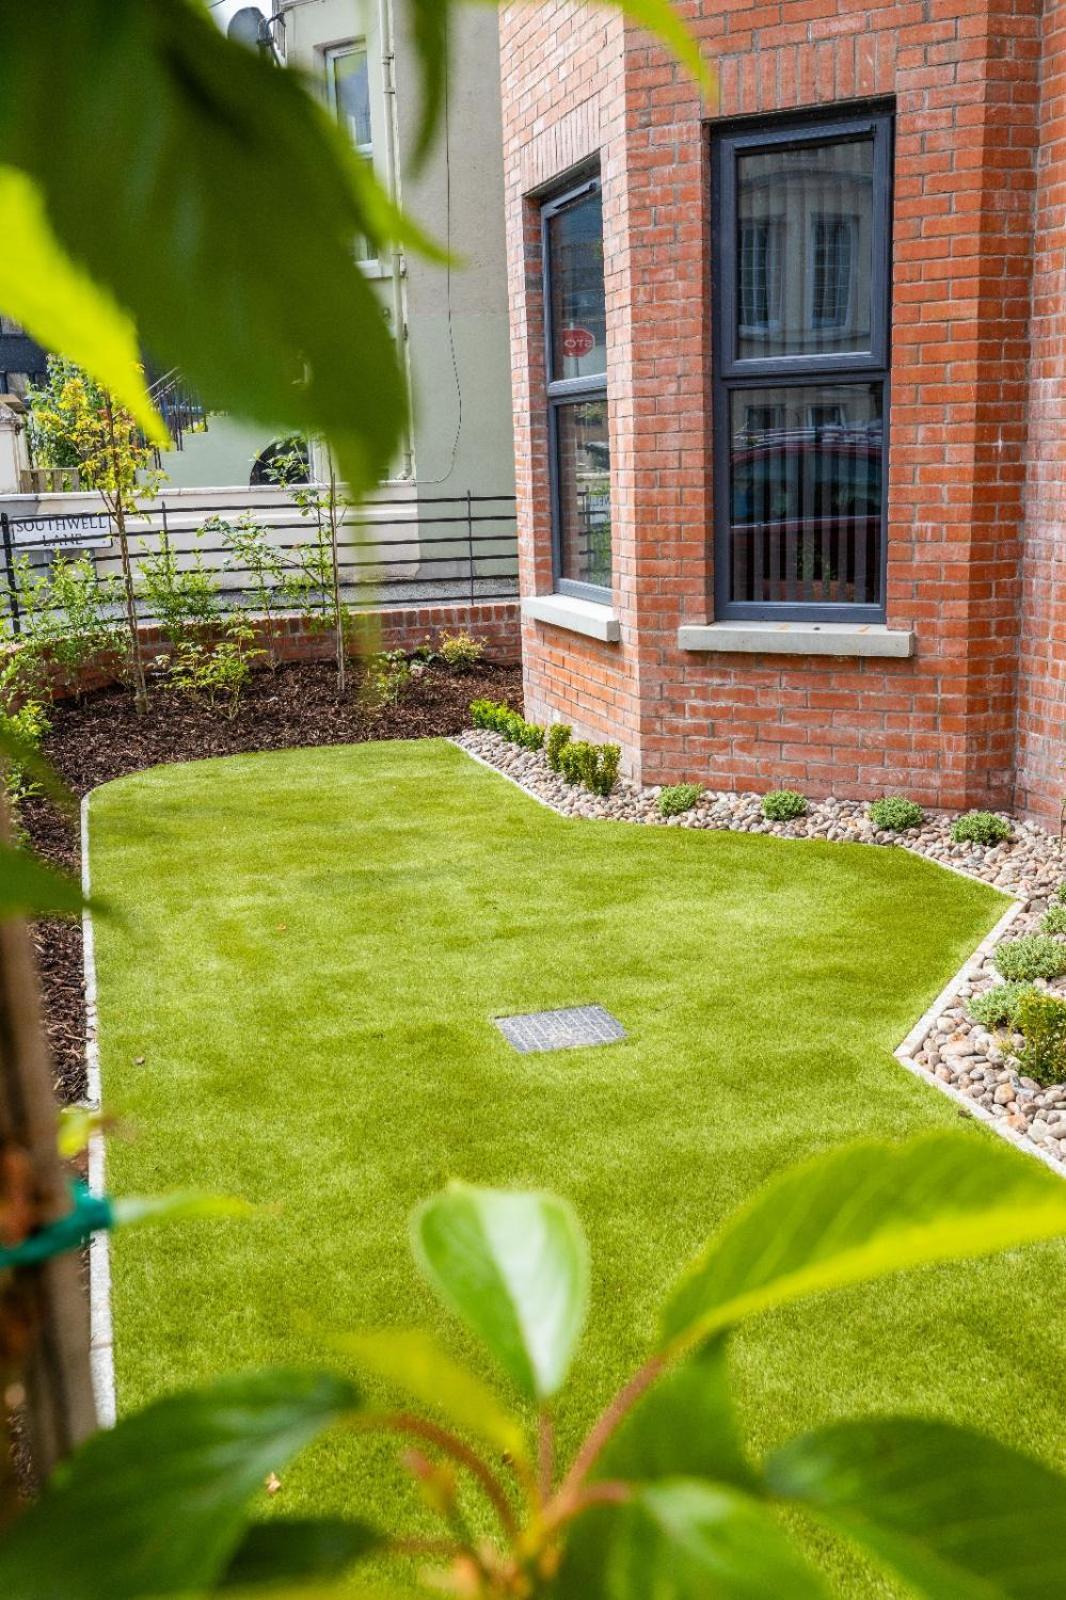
[(83, 530), (577, 341)]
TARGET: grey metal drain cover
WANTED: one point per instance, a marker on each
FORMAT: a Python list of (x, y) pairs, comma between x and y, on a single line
[(560, 1030)]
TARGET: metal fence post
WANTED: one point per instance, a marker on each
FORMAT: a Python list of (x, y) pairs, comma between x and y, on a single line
[(470, 542), (9, 573)]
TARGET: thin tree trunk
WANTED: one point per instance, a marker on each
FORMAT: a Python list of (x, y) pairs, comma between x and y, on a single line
[(44, 1325), (338, 613), (118, 508)]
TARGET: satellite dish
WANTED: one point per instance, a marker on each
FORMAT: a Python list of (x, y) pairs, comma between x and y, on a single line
[(249, 26)]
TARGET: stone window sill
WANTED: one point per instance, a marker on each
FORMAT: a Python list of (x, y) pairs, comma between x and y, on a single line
[(798, 638), (578, 616)]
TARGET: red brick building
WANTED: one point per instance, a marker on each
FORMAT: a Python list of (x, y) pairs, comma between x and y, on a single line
[(790, 392)]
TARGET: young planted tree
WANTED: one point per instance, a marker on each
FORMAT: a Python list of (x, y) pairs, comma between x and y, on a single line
[(313, 580), (75, 418)]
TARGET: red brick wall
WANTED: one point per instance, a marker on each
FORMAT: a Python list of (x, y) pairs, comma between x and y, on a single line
[(964, 81), (1042, 685), (391, 628)]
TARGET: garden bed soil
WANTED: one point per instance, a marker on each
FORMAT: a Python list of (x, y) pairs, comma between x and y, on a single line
[(101, 737)]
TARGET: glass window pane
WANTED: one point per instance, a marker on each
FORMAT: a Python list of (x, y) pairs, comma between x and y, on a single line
[(805, 468), (575, 274), (584, 487), (350, 79), (804, 249)]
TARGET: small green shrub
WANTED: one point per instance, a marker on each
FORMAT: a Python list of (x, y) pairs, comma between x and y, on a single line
[(29, 724), (980, 827), (783, 805), (1035, 955), (215, 674), (678, 797), (558, 738), (461, 651), (1054, 920), (594, 765), (387, 678), (501, 719), (896, 814), (998, 1007), (1060, 894), (1042, 1019)]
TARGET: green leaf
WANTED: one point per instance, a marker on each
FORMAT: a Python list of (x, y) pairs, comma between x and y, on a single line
[(415, 1363), (515, 1268), (684, 1540), (157, 1504), (77, 1124), (58, 303), (188, 1205), (222, 156), (683, 1427), (661, 18), (860, 1213), (275, 1552), (22, 752), (959, 1516), (29, 888)]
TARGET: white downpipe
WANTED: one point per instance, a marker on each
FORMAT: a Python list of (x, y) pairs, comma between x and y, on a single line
[(394, 180)]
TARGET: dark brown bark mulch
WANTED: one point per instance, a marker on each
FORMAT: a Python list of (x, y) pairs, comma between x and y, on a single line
[(102, 738)]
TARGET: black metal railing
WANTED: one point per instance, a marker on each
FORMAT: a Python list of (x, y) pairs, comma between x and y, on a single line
[(423, 552)]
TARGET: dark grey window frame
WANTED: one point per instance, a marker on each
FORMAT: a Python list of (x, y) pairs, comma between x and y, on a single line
[(731, 372), (560, 391)]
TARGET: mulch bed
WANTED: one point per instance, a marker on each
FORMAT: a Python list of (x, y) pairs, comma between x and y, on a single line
[(102, 738)]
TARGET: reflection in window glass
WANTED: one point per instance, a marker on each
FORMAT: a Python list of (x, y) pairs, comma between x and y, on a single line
[(804, 249), (805, 465), (584, 488), (348, 76), (575, 271)]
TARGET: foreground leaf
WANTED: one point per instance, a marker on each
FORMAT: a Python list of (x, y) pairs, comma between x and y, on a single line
[(29, 888), (189, 1205), (274, 1552), (415, 1363), (60, 306), (683, 1427), (684, 1540), (217, 156), (157, 1504), (959, 1516), (860, 1213), (515, 1268)]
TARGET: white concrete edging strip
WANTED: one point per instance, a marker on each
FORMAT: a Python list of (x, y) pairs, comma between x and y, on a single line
[(904, 1052), (101, 1333)]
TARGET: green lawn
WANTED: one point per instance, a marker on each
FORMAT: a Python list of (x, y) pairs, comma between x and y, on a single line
[(313, 947)]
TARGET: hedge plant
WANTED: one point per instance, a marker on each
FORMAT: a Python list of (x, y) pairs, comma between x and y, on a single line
[(594, 765), (980, 827), (499, 718), (783, 805), (894, 814), (1035, 955), (558, 738)]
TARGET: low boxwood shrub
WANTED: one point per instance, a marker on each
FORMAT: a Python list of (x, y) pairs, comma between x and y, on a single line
[(501, 719), (558, 738), (678, 797), (896, 814), (783, 805), (1042, 1019), (998, 1007), (1034, 955), (1055, 919), (980, 827), (594, 765)]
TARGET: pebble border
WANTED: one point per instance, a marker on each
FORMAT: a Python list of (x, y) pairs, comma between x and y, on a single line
[(976, 1069)]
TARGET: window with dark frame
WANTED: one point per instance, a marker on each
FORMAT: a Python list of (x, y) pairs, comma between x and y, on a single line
[(802, 215), (576, 354)]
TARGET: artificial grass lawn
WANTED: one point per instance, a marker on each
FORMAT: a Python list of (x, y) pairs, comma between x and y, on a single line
[(313, 946)]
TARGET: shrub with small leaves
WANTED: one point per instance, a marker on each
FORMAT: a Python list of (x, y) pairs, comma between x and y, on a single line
[(998, 1007), (1035, 955), (1042, 1020), (215, 674), (501, 719), (894, 814), (980, 827), (678, 797), (461, 651), (1054, 920), (783, 805), (558, 738), (387, 677), (594, 765)]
